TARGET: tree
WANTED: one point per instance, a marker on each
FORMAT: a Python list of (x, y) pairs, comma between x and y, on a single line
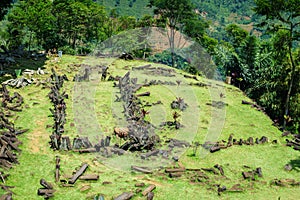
[(146, 21), (283, 15), (237, 55), (195, 28), (4, 6), (235, 35), (95, 27), (127, 23), (33, 16), (57, 23), (176, 12), (72, 16)]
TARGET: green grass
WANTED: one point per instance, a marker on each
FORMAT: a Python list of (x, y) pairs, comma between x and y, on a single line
[(37, 160)]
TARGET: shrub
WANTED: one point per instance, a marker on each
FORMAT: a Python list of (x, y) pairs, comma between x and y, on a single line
[(67, 50), (180, 62)]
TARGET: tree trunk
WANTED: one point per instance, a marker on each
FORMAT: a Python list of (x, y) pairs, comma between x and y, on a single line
[(74, 41), (172, 45), (287, 101), (171, 37), (30, 39)]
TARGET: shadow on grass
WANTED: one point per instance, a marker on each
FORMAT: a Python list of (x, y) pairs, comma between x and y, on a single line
[(22, 64), (295, 164)]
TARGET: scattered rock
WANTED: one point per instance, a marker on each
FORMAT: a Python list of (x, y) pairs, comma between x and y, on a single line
[(288, 167)]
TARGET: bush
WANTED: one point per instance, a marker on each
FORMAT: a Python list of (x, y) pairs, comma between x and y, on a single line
[(67, 50), (139, 53), (84, 49), (180, 62)]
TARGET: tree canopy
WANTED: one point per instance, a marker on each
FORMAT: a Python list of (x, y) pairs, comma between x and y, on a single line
[(283, 18), (176, 13), (4, 6)]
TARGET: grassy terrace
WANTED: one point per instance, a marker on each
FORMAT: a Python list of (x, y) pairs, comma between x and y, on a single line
[(37, 160)]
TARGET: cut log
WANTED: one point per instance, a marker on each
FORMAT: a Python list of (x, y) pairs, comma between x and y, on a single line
[(246, 102), (66, 141), (175, 175), (259, 172), (88, 150), (202, 175), (124, 196), (45, 184), (89, 177), (174, 170), (107, 141), (5, 164), (18, 132), (43, 191), (297, 148), (214, 149), (137, 87), (210, 170), (7, 196), (150, 196), (189, 76), (263, 140), (145, 94), (85, 188), (148, 189), (106, 182), (78, 173), (229, 143), (274, 141), (3, 176), (141, 67), (240, 141), (247, 175), (285, 182), (141, 169), (6, 188), (220, 169), (288, 167), (151, 153), (181, 165), (57, 168), (3, 150), (139, 184), (193, 170), (236, 188), (12, 145), (221, 189), (118, 151), (251, 141), (11, 157)]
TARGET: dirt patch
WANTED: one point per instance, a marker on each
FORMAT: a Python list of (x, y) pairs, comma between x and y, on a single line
[(38, 137), (150, 181), (154, 182), (159, 40)]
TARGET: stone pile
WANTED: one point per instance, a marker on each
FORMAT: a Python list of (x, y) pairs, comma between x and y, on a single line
[(59, 109)]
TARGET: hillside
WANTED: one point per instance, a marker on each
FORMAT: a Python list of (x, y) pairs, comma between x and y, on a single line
[(136, 8), (214, 112), (218, 13)]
